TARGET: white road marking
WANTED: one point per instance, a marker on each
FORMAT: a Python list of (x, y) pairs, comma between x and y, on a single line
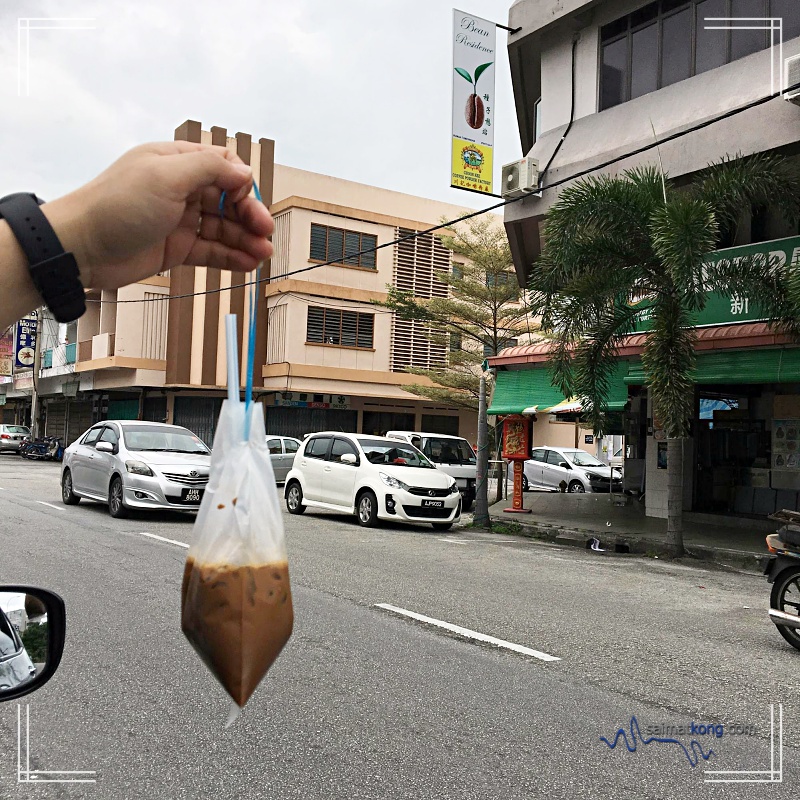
[(50, 505), (453, 541), (481, 637), (160, 538)]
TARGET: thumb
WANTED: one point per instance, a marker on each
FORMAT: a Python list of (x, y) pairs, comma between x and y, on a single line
[(187, 173)]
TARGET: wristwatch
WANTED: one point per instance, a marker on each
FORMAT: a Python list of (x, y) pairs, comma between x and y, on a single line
[(54, 271)]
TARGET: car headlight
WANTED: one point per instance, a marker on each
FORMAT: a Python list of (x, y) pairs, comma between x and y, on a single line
[(138, 468), (393, 482), (454, 488), (592, 476)]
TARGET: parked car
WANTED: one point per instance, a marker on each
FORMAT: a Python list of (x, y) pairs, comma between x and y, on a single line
[(16, 666), (282, 450), (617, 461), (451, 454), (373, 477), (577, 470), (136, 465), (12, 437)]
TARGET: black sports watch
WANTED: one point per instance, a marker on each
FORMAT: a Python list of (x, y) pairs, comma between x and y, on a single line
[(54, 272)]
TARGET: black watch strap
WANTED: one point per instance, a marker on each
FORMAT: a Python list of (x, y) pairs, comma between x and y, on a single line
[(54, 272)]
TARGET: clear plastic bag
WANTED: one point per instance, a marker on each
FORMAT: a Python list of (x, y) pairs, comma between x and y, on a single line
[(236, 600)]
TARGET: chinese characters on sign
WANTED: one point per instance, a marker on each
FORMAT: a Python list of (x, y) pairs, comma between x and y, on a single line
[(25, 347), (474, 55), (739, 305), (6, 356)]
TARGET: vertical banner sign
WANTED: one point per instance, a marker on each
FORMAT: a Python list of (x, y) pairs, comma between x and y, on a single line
[(6, 354), (25, 346), (474, 57)]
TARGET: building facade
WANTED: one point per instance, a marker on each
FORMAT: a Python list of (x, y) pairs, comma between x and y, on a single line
[(609, 77), (327, 357)]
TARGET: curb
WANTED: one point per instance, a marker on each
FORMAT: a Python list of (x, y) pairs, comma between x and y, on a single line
[(621, 544)]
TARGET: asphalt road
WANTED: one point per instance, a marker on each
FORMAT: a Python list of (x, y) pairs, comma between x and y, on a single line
[(366, 703)]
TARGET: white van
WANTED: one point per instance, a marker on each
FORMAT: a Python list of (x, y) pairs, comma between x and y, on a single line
[(451, 454)]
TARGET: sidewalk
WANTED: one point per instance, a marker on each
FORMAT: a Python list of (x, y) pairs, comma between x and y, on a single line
[(576, 519)]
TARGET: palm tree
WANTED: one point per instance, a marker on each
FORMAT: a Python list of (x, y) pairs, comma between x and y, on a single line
[(613, 241)]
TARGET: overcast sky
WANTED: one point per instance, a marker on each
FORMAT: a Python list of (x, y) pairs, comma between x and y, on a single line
[(359, 89)]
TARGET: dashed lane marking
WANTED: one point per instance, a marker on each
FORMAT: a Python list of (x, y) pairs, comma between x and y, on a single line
[(50, 505)]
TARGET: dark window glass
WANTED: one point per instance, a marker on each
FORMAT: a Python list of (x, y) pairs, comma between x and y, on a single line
[(291, 445), (789, 12), (368, 242), (671, 5), (538, 455), (352, 246), (333, 326), (554, 458), (340, 447), (108, 435), (711, 47), (335, 245), (646, 14), (274, 446), (319, 238), (92, 436), (613, 29), (615, 74), (318, 447), (644, 60), (745, 42), (366, 324), (349, 328), (314, 329), (676, 47)]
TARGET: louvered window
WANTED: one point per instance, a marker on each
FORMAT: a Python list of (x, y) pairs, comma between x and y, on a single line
[(342, 328), (341, 246)]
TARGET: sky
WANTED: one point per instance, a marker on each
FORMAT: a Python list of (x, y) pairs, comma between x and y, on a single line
[(358, 89)]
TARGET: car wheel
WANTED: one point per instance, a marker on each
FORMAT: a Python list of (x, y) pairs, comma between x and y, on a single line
[(116, 506), (576, 487), (294, 499), (442, 526), (526, 487), (67, 495), (367, 509)]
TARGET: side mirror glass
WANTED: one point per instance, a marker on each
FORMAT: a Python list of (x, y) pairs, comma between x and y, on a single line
[(104, 447), (348, 458), (32, 632)]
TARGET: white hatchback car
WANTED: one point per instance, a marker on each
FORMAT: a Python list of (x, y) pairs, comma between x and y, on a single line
[(372, 477)]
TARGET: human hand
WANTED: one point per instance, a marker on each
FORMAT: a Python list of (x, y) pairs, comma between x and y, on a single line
[(158, 207)]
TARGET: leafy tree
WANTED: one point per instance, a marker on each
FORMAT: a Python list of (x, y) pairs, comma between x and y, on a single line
[(482, 314), (613, 241), (35, 640)]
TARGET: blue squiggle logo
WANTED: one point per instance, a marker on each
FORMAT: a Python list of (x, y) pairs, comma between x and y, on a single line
[(693, 753)]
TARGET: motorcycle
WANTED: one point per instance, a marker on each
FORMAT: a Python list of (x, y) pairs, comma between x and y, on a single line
[(783, 572), (48, 448)]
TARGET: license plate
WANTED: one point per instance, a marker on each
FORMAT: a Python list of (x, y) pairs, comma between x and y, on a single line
[(191, 495), (433, 503)]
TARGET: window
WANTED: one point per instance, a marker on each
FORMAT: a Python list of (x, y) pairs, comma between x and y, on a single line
[(554, 458), (274, 446), (342, 328), (538, 455), (318, 447), (108, 435), (340, 447), (9, 644), (158, 437), (666, 41), (342, 246), (291, 445), (92, 436)]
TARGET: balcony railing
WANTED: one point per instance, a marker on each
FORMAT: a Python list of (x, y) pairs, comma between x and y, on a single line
[(70, 351)]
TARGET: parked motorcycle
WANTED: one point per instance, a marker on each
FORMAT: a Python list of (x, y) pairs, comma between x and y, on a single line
[(48, 448), (783, 572)]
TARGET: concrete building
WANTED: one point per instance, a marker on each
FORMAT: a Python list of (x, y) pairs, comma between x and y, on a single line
[(327, 358), (605, 76)]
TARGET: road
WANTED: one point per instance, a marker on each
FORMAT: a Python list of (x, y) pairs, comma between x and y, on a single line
[(366, 703)]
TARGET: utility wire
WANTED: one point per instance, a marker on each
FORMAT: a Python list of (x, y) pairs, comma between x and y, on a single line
[(644, 148)]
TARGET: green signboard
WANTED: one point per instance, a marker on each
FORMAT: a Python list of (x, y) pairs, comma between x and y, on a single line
[(722, 310)]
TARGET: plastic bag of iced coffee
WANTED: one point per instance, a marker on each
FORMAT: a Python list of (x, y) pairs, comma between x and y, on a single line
[(236, 601)]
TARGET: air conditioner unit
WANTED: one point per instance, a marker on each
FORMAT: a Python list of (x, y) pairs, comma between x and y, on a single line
[(520, 178), (792, 80)]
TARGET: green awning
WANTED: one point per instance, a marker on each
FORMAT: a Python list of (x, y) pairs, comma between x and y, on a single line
[(530, 389), (755, 365)]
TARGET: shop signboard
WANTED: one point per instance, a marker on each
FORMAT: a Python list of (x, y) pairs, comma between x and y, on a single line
[(474, 58), (310, 400), (729, 310), (786, 445), (25, 344), (6, 355)]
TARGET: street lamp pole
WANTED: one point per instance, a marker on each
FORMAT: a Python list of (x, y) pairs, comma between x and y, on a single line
[(481, 515)]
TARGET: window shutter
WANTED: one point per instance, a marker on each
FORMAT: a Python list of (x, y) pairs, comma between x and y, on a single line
[(314, 330), (319, 237)]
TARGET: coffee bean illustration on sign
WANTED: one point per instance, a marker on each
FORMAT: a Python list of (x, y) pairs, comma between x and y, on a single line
[(474, 111)]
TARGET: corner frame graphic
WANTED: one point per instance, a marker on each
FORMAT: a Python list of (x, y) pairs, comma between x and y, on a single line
[(24, 27), (27, 775), (771, 775)]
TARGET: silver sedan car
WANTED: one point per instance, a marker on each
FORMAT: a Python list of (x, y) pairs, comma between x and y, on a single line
[(136, 465)]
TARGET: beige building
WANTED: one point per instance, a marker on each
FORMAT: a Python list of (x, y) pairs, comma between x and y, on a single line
[(327, 358)]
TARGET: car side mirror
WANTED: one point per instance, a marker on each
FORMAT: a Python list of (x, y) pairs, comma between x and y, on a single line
[(348, 458), (104, 447), (564, 464), (32, 632)]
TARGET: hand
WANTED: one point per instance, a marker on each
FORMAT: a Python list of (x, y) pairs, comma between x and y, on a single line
[(158, 207)]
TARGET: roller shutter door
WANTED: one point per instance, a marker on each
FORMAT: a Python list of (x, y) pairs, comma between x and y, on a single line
[(79, 420), (199, 415), (55, 422), (296, 422)]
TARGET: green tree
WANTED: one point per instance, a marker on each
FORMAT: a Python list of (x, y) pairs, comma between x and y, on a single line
[(614, 241), (482, 314)]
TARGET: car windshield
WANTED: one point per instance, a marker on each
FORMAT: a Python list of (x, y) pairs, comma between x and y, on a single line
[(398, 454), (582, 459), (160, 439), (449, 451), (17, 429)]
